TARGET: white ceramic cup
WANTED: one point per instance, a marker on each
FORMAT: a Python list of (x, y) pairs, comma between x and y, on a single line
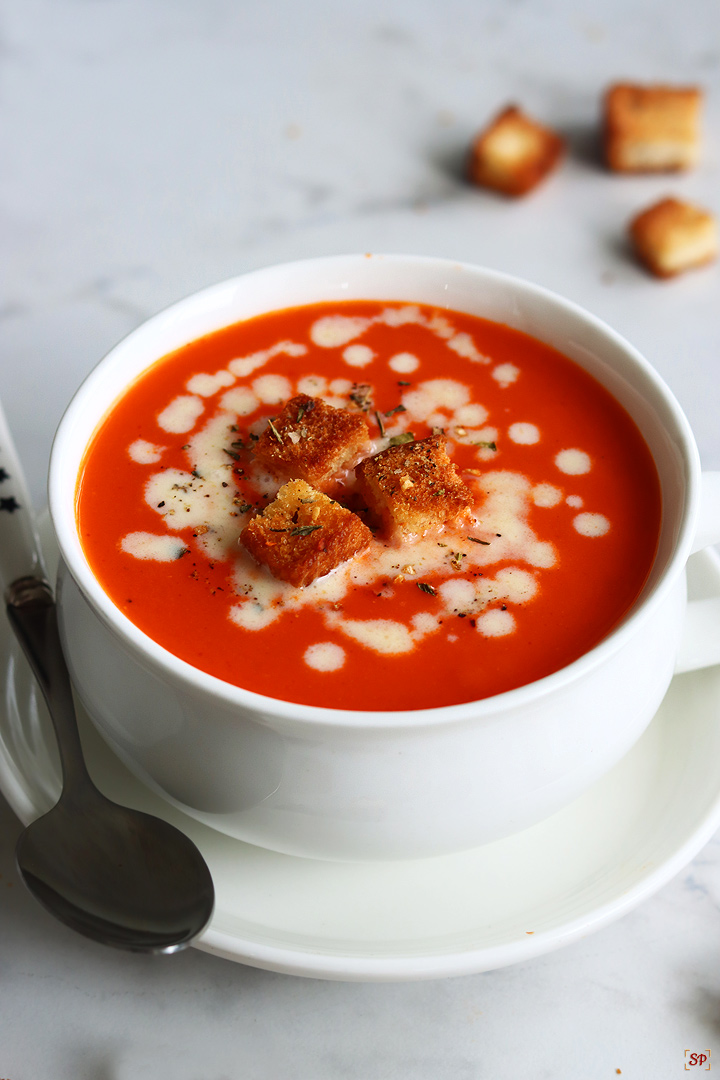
[(337, 784)]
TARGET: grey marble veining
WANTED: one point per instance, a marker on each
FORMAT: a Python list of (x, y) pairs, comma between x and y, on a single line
[(153, 148)]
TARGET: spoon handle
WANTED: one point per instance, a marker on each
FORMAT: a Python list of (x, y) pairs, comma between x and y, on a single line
[(32, 614), (30, 605)]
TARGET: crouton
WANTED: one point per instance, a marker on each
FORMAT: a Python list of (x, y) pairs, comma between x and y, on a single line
[(673, 236), (312, 441), (651, 128), (414, 487), (303, 535), (514, 153)]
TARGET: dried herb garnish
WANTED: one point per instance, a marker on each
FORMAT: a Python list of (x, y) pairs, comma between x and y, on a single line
[(426, 588), (275, 431), (398, 408), (378, 417), (398, 440), (403, 382), (361, 395), (242, 506), (233, 453), (304, 530), (476, 541), (486, 445), (183, 551)]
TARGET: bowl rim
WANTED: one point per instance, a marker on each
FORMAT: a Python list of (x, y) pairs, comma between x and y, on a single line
[(61, 501)]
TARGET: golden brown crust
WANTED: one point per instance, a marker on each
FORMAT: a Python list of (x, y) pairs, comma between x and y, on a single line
[(312, 441), (414, 487), (651, 128), (303, 534), (514, 153), (673, 236)]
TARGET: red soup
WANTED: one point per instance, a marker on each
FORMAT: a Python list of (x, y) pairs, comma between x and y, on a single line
[(562, 527)]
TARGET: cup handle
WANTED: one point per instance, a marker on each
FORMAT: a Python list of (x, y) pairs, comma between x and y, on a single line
[(700, 643), (708, 528)]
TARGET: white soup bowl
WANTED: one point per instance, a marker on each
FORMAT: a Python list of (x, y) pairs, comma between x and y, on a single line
[(336, 784)]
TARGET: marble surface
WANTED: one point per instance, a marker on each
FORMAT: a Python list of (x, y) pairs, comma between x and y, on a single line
[(153, 148)]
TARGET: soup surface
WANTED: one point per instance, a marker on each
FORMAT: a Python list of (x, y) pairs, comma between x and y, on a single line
[(562, 534)]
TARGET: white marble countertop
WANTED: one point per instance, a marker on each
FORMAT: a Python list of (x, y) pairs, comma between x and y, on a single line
[(153, 148)]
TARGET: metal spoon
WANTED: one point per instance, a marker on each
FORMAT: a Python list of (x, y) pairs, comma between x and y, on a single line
[(116, 875)]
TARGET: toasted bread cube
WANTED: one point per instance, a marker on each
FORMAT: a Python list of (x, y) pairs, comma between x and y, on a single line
[(312, 441), (414, 487), (514, 153), (673, 236), (303, 534), (652, 128)]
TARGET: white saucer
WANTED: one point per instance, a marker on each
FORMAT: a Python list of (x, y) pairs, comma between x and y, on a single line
[(455, 915)]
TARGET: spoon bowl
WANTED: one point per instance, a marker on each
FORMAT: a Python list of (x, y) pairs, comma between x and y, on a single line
[(118, 876)]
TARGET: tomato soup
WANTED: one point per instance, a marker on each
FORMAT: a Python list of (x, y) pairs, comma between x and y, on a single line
[(562, 535)]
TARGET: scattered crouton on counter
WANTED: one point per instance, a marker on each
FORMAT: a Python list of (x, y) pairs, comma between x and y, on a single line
[(652, 128), (414, 487), (303, 534), (312, 441), (672, 236), (514, 153)]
